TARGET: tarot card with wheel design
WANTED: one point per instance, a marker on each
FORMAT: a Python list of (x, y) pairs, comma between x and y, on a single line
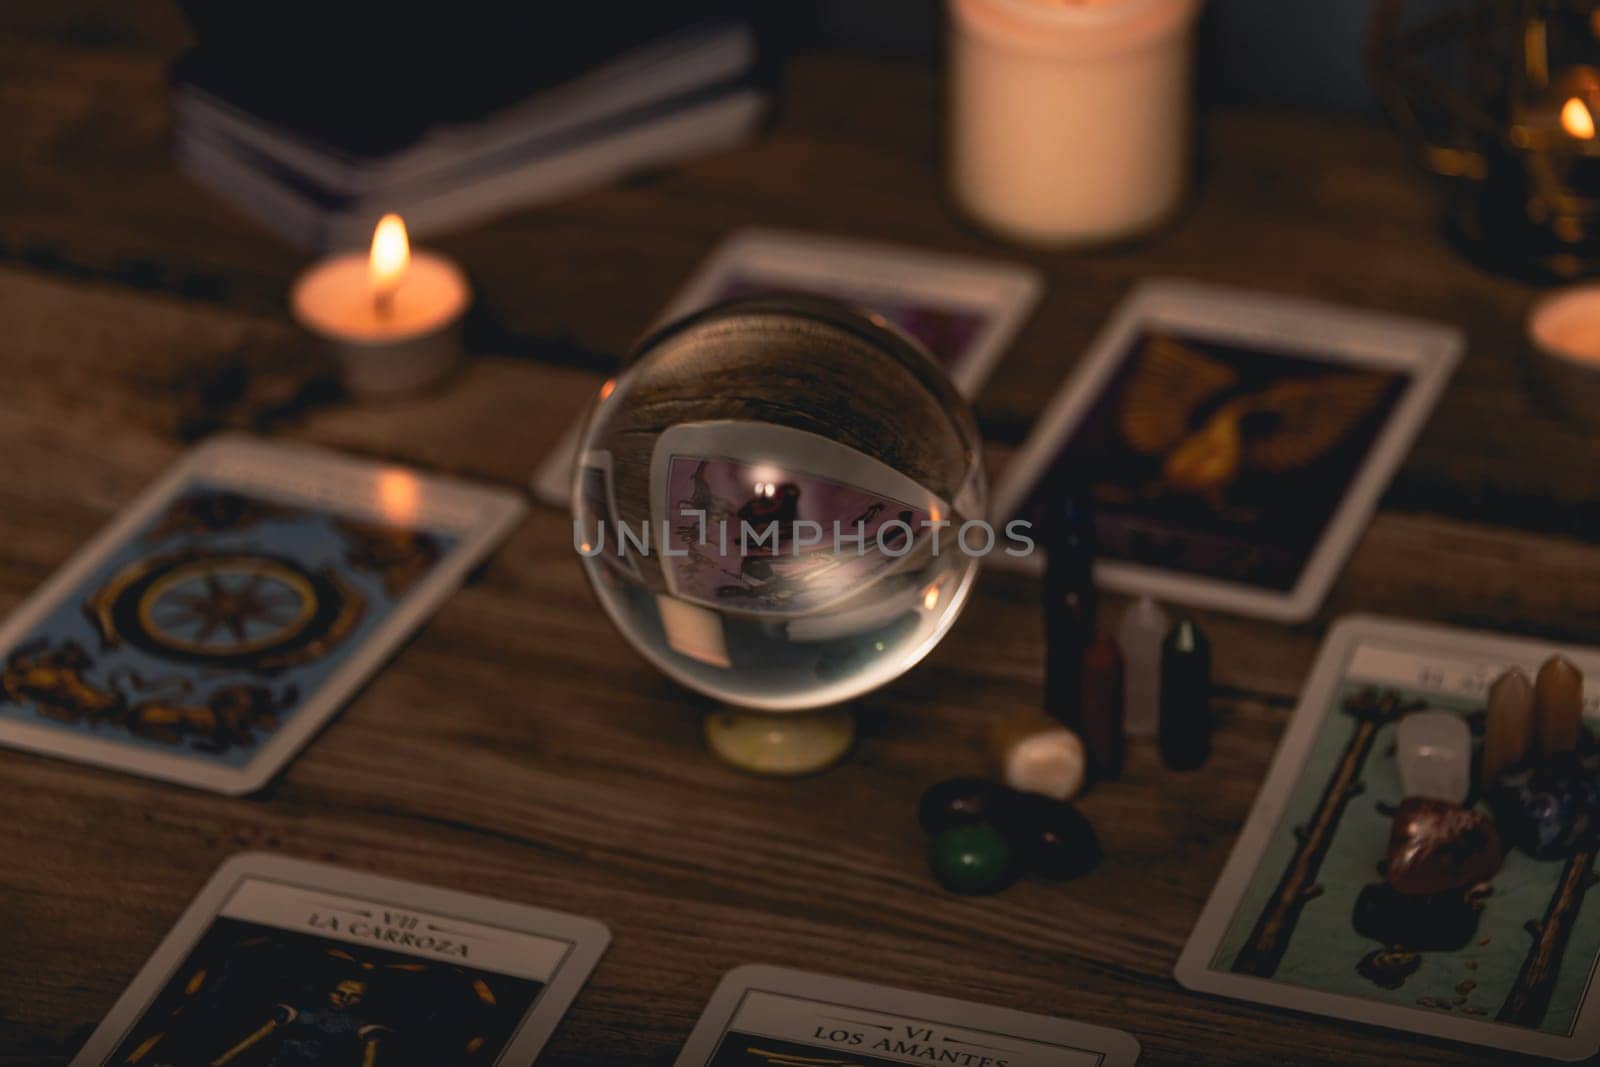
[(229, 611)]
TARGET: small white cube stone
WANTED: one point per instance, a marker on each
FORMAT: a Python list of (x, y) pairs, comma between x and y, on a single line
[(1050, 763)]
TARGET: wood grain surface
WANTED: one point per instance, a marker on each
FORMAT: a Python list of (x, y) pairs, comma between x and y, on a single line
[(517, 747)]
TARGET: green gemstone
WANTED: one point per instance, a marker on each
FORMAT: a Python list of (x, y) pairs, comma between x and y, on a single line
[(972, 858)]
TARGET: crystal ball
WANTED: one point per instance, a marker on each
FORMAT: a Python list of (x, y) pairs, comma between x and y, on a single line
[(780, 502)]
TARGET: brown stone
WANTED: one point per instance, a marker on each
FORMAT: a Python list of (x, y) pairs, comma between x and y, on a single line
[(1508, 726), (1100, 718), (1558, 706), (1435, 846)]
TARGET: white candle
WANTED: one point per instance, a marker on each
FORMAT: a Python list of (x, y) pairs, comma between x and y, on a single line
[(391, 317), (1069, 121), (1565, 330)]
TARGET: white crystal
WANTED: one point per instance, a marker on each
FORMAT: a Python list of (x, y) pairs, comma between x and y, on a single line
[(1144, 626), (1434, 749)]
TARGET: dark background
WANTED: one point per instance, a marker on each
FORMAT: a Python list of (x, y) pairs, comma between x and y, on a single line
[(1294, 53), (365, 62)]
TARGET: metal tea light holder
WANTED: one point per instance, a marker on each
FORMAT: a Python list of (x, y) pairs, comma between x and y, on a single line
[(1500, 101)]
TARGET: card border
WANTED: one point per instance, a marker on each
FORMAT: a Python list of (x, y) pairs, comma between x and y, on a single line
[(1007, 292), (1193, 969), (600, 460), (1121, 1049), (1426, 352), (588, 940), (497, 511)]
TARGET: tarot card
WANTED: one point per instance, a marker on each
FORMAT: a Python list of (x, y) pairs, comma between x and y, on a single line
[(226, 614), (736, 524), (1302, 916), (278, 961), (781, 1018), (964, 311), (1232, 445), (598, 501)]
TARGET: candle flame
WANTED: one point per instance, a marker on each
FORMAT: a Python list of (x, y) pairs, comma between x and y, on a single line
[(391, 254), (1577, 119)]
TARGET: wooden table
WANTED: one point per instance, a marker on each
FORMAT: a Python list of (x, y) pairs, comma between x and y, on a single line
[(517, 747)]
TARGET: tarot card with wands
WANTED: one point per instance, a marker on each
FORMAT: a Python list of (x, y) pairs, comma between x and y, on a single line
[(1305, 915)]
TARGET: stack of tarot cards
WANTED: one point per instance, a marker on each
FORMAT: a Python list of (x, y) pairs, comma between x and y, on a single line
[(272, 154)]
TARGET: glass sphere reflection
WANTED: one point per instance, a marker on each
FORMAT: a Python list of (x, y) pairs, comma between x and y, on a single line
[(767, 501)]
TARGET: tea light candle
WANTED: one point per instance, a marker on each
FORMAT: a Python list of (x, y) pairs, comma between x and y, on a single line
[(1565, 330), (391, 317), (1069, 119)]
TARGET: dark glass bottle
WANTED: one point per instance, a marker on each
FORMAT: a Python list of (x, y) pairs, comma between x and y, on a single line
[(1070, 604), (1185, 697)]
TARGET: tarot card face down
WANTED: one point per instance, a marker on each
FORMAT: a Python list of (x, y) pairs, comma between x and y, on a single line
[(286, 964), (1232, 446), (771, 1017), (1304, 917), (227, 612)]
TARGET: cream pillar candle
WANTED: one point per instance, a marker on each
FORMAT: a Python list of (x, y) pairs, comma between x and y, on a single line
[(1069, 121)]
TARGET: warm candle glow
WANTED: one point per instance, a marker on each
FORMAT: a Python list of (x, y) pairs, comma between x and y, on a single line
[(1568, 323), (1577, 119), (391, 254), (398, 496)]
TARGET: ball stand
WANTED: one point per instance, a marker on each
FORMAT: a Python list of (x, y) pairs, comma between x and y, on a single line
[(780, 744)]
